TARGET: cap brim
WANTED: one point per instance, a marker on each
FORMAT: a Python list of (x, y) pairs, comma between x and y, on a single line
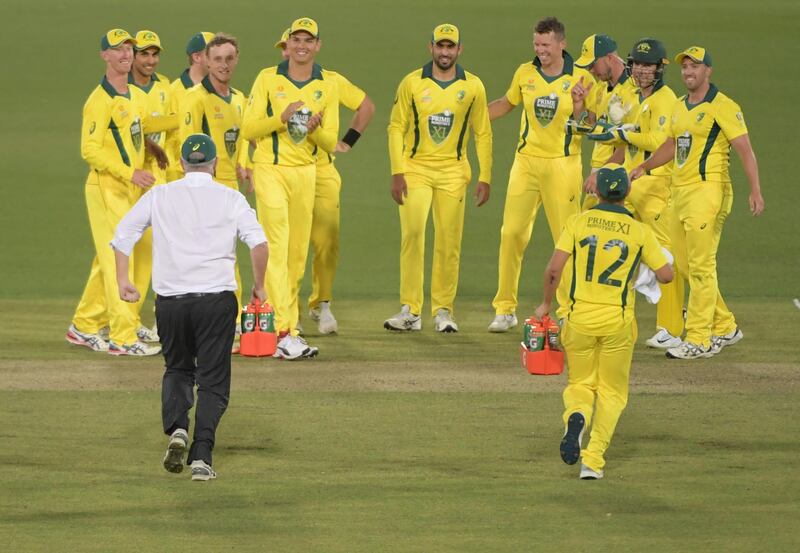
[(148, 45), (584, 61), (680, 57), (121, 42), (280, 45)]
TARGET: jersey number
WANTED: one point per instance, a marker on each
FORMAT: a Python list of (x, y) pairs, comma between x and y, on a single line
[(605, 276)]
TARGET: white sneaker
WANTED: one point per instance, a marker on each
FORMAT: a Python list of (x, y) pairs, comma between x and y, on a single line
[(590, 474), (105, 333), (502, 323), (663, 340), (173, 459), (688, 350), (322, 314), (146, 335), (92, 341), (137, 349), (405, 320), (294, 347), (443, 321), (201, 471), (719, 342)]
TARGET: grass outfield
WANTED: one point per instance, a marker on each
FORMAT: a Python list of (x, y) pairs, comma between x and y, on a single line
[(393, 443)]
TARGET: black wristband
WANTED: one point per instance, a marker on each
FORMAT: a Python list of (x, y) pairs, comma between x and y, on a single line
[(351, 137)]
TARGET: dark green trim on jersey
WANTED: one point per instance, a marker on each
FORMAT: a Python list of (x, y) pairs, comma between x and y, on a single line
[(574, 279), (274, 135), (622, 78), (624, 298), (460, 145), (120, 145), (283, 69), (206, 130), (712, 137), (567, 140), (111, 91), (709, 97), (569, 67), (206, 82), (613, 208), (416, 128), (148, 87), (186, 80), (656, 87), (524, 136), (427, 73)]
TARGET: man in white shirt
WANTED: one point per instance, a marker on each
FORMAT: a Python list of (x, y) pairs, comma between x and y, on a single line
[(195, 225)]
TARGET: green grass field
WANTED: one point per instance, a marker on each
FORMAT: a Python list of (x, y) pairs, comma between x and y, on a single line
[(386, 442)]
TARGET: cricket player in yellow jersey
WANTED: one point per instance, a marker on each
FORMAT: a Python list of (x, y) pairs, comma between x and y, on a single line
[(705, 124), (604, 245), (649, 199), (293, 113), (547, 166), (190, 77), (215, 108), (113, 144), (146, 57), (433, 111), (325, 226)]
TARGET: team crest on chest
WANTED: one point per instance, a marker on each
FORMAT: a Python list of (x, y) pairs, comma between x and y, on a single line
[(700, 116), (317, 95), (565, 86), (298, 125), (460, 95), (682, 148), (545, 108), (136, 134), (162, 96), (231, 136), (439, 125)]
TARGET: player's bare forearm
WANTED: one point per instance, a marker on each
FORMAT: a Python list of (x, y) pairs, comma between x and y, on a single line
[(552, 275), (259, 255), (500, 107), (745, 151), (127, 291), (363, 115)]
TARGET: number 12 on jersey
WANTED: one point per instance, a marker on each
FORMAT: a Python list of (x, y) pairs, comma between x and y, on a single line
[(605, 276)]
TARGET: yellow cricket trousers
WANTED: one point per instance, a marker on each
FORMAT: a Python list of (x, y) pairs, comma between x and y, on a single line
[(597, 384), (701, 210), (285, 205), (649, 201), (325, 234), (442, 186), (553, 182), (107, 201)]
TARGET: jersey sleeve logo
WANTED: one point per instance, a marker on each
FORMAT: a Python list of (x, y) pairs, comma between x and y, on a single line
[(298, 125), (92, 127), (545, 108), (439, 125), (188, 119), (683, 146)]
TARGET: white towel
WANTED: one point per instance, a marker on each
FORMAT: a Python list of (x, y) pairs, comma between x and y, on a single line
[(646, 283)]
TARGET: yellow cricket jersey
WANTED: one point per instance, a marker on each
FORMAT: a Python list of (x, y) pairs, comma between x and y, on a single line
[(158, 105), (177, 90), (430, 119), (606, 244), (350, 96), (112, 133), (290, 144), (652, 115), (547, 103), (703, 133), (625, 94), (203, 110)]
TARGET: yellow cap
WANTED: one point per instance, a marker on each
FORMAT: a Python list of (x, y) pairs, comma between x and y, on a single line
[(594, 47), (305, 24), (115, 37), (695, 53), (281, 44), (198, 42), (446, 31), (147, 39)]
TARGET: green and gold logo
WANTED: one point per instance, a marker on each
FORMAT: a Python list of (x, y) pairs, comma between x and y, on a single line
[(92, 127), (231, 136), (460, 95), (297, 125), (317, 95), (700, 117), (643, 47), (683, 147), (439, 125), (565, 86), (545, 108), (662, 120), (136, 134)]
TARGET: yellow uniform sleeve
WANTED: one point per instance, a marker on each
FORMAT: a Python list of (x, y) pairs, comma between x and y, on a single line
[(514, 94), (96, 120), (566, 242), (731, 120), (651, 250), (482, 128), (350, 96), (243, 146), (326, 135), (398, 124), (159, 123), (660, 113), (190, 108), (256, 123)]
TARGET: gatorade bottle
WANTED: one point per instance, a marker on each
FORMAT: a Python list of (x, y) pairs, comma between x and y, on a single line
[(248, 318), (553, 338), (266, 318), (533, 334)]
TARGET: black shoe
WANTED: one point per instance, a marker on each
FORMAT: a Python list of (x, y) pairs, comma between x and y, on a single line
[(571, 442)]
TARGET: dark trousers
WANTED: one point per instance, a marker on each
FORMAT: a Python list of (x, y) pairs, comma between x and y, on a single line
[(196, 338)]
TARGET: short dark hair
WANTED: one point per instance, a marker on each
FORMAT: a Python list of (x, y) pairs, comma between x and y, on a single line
[(220, 39), (550, 25)]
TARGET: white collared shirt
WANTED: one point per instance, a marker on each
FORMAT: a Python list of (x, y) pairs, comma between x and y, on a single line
[(195, 225)]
